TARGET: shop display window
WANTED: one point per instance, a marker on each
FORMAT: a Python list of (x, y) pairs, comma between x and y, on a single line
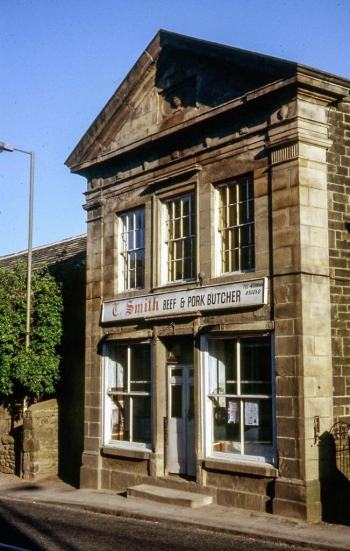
[(128, 394), (240, 419)]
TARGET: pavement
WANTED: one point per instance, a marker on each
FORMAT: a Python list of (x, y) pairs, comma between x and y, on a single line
[(320, 535)]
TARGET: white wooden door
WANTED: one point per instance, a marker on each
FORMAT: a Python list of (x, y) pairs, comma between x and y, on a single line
[(181, 446)]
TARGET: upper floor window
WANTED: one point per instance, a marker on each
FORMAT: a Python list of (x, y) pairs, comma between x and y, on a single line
[(236, 226), (180, 238), (133, 249)]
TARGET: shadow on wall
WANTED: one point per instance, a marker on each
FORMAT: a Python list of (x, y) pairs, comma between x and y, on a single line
[(335, 485), (70, 392)]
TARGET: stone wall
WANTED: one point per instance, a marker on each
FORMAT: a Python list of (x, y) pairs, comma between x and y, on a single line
[(40, 440), (339, 238), (7, 455), (7, 444)]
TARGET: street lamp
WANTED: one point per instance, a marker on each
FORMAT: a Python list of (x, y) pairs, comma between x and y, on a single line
[(7, 147)]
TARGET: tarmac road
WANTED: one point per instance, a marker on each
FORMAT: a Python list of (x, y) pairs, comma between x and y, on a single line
[(39, 527)]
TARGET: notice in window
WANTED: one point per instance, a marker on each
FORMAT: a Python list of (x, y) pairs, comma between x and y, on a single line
[(232, 412), (251, 413)]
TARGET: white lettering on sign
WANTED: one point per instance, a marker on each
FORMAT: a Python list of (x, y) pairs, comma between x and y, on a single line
[(184, 301)]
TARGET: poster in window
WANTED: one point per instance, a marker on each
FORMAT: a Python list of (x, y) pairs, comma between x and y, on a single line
[(251, 413), (232, 412)]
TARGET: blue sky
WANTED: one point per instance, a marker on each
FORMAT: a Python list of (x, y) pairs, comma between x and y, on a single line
[(61, 60)]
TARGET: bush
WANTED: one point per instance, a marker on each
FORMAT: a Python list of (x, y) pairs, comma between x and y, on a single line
[(34, 371)]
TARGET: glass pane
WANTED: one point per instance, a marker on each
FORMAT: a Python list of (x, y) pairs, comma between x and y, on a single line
[(176, 372), (247, 258), (140, 368), (127, 417), (177, 208), (186, 226), (177, 248), (132, 281), (242, 191), (256, 366), (258, 425), (186, 206), (222, 217), (231, 194), (169, 230), (140, 238), (130, 241), (178, 270), (171, 251), (226, 423), (142, 419), (246, 232), (169, 207), (176, 401), (190, 412), (232, 215), (230, 367), (117, 429), (178, 228), (251, 211), (188, 268), (118, 355)]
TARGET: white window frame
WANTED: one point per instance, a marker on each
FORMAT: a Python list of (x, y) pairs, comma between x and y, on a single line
[(165, 256), (107, 402), (125, 270), (219, 239), (269, 458)]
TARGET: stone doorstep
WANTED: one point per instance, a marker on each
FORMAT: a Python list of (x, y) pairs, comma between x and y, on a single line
[(169, 496)]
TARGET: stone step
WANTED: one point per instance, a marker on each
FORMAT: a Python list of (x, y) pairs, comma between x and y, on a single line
[(169, 496)]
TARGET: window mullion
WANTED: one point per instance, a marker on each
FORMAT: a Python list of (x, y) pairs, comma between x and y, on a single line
[(242, 425), (131, 417), (239, 392)]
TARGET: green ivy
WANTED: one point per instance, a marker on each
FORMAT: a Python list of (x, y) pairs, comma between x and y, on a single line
[(34, 371)]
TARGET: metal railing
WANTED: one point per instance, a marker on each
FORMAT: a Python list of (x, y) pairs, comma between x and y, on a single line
[(341, 435)]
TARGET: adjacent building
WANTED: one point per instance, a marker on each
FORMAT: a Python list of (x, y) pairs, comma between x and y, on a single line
[(66, 262), (217, 348)]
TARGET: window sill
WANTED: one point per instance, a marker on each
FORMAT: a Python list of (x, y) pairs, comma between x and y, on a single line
[(125, 452), (249, 468)]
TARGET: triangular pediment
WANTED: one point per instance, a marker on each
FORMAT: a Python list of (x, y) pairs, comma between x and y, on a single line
[(175, 80)]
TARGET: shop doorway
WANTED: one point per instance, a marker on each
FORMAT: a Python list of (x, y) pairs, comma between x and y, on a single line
[(181, 434)]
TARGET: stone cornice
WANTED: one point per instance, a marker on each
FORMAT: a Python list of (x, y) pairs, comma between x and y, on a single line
[(307, 87)]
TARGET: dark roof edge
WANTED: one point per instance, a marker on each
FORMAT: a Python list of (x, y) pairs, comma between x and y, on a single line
[(41, 247), (171, 38)]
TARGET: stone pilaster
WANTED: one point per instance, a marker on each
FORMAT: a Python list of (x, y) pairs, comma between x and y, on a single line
[(301, 303)]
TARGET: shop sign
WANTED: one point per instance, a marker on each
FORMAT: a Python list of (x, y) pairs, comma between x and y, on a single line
[(199, 299)]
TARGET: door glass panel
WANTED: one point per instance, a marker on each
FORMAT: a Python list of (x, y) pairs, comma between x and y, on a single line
[(176, 401), (176, 372), (190, 413)]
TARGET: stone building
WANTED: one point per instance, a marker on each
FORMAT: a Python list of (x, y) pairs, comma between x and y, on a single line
[(217, 276)]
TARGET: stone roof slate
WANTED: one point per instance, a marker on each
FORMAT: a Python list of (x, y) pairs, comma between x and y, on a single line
[(70, 250)]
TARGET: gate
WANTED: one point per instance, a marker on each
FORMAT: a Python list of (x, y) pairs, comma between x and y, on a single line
[(341, 435)]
